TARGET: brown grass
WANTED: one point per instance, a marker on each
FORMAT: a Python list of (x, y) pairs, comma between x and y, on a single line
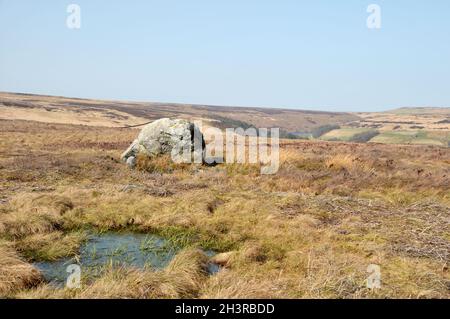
[(15, 274), (160, 164), (309, 231), (33, 214)]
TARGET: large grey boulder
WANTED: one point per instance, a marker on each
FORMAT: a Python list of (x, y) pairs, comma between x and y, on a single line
[(179, 138)]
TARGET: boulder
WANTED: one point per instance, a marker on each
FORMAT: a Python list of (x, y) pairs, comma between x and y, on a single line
[(179, 138)]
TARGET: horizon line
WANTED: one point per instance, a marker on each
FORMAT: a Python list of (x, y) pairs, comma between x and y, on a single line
[(220, 105)]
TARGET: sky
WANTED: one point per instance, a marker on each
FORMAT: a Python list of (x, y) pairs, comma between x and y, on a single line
[(312, 54)]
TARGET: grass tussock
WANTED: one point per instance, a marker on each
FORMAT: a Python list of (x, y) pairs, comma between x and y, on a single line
[(346, 162), (50, 246), (15, 274), (19, 224), (43, 204), (31, 215), (159, 164), (231, 285)]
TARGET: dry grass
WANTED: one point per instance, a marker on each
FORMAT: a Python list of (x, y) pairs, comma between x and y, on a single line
[(310, 231), (161, 164), (407, 119), (50, 246), (34, 214), (15, 274), (231, 285), (347, 162)]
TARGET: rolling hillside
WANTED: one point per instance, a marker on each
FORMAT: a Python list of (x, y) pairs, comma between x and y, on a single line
[(119, 113), (429, 126)]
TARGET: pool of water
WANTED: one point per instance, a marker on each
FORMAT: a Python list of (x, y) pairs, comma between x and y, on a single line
[(116, 249)]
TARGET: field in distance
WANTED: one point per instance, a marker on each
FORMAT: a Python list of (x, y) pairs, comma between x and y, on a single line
[(429, 126)]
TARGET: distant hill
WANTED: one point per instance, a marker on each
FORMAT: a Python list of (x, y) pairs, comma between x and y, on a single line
[(420, 110), (56, 109), (406, 125)]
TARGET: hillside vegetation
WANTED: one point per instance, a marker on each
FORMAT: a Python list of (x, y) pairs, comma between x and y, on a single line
[(310, 231), (63, 110)]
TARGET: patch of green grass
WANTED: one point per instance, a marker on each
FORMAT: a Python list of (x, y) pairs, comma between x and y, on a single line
[(410, 137), (389, 137), (186, 237), (51, 246), (343, 134)]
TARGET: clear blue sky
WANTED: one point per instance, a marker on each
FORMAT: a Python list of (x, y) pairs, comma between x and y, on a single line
[(315, 54)]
